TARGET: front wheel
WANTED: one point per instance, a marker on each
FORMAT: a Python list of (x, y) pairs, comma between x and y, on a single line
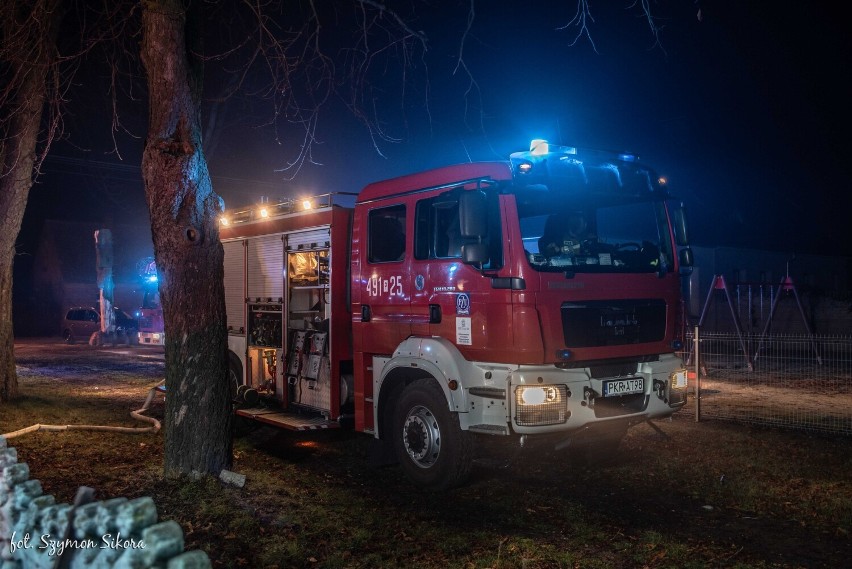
[(429, 443)]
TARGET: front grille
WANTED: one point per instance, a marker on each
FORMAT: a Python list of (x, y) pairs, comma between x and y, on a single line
[(549, 413), (613, 322)]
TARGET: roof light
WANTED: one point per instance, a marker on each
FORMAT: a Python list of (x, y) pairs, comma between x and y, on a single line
[(264, 212), (307, 204), (539, 147), (662, 180), (223, 220)]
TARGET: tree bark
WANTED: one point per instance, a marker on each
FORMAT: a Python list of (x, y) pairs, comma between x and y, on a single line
[(184, 215), (29, 37)]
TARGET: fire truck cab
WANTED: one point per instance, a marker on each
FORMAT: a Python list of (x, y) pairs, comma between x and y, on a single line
[(533, 298)]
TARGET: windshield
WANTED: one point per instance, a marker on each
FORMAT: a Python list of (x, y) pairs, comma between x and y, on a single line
[(629, 237)]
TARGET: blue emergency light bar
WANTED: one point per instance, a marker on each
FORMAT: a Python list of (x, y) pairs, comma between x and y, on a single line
[(584, 169)]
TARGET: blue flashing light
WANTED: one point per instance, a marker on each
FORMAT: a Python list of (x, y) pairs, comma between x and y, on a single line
[(563, 355), (152, 278)]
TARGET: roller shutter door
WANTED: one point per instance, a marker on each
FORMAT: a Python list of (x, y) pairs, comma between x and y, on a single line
[(235, 294), (265, 268)]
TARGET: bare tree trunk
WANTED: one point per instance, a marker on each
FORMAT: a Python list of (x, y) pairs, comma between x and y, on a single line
[(189, 256), (29, 48)]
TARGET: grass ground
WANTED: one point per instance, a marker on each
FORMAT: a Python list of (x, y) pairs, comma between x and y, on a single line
[(707, 494)]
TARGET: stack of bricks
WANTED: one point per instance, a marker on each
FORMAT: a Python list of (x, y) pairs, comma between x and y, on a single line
[(111, 534)]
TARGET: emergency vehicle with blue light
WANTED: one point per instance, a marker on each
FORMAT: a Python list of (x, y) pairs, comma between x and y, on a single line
[(448, 305), (150, 314)]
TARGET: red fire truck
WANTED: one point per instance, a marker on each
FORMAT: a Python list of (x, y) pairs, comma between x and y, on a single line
[(455, 303), (150, 314)]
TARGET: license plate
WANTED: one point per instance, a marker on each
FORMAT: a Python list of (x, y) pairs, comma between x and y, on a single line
[(628, 386)]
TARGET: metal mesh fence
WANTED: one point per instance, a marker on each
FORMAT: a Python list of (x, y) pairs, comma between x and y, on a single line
[(800, 382)]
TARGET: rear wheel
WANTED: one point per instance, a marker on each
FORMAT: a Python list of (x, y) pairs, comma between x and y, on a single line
[(431, 447)]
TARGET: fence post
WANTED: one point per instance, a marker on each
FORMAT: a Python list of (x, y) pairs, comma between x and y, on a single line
[(697, 376)]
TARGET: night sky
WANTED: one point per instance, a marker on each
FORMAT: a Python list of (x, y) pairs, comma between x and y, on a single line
[(745, 111)]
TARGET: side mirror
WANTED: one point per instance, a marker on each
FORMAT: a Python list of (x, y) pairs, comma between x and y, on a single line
[(679, 222), (473, 214), (686, 261), (474, 253)]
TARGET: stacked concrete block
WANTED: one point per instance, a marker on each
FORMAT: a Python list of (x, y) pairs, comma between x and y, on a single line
[(110, 534)]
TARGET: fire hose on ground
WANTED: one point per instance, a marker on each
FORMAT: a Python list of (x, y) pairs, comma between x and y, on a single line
[(138, 415)]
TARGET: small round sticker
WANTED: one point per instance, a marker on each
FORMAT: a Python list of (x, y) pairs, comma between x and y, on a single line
[(419, 282)]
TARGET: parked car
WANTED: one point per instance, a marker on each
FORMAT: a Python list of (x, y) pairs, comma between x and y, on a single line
[(81, 322)]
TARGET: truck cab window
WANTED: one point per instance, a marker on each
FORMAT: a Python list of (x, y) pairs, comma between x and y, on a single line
[(386, 234), (608, 237), (438, 231)]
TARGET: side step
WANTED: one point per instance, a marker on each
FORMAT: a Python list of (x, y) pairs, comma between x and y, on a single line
[(285, 420)]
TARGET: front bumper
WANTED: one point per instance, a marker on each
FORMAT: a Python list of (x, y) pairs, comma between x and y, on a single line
[(547, 399)]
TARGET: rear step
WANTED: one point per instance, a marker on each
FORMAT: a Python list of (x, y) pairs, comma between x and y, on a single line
[(285, 420)]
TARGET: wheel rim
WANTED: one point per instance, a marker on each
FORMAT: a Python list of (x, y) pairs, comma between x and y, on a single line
[(421, 436)]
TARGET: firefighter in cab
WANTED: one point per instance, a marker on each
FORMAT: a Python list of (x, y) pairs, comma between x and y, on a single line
[(564, 236)]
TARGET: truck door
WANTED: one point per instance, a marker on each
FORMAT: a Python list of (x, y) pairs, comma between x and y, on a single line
[(462, 304), (385, 317)]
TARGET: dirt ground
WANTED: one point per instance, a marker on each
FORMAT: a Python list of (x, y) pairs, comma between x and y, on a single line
[(680, 477)]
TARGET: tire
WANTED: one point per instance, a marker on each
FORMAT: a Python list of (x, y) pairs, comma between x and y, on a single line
[(431, 448), (68, 337)]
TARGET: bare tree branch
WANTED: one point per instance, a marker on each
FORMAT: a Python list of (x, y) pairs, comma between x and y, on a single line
[(581, 21), (652, 22)]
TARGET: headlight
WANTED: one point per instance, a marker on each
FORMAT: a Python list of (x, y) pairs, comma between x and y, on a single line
[(678, 379), (677, 388), (539, 395), (541, 404)]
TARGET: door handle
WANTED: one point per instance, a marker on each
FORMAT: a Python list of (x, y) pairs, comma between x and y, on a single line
[(366, 313), (434, 314)]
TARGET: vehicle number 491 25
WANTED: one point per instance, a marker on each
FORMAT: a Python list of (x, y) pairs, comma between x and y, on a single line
[(377, 286)]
